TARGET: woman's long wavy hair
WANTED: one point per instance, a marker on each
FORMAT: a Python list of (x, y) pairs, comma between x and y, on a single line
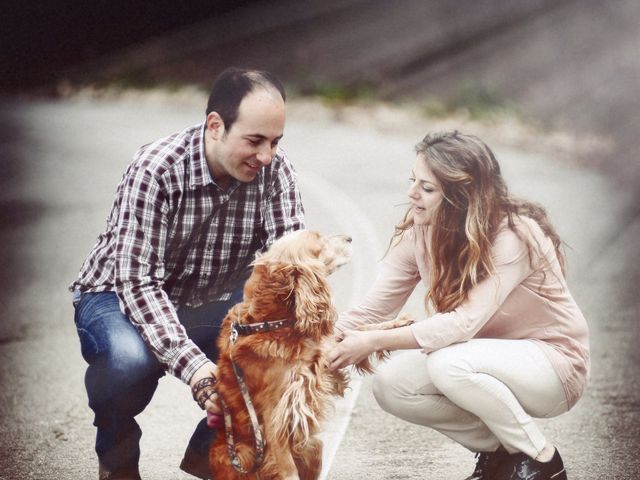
[(465, 224)]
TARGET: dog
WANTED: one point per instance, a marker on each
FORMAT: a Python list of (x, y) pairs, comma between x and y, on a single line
[(275, 342)]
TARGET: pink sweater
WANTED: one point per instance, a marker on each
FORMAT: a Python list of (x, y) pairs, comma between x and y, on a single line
[(518, 302)]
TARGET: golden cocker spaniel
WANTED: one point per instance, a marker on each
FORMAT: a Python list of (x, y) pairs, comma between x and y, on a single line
[(276, 342)]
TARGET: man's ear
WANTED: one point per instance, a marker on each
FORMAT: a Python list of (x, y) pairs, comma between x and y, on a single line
[(215, 125)]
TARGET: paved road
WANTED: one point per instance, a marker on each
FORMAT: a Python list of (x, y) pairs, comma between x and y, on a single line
[(61, 162)]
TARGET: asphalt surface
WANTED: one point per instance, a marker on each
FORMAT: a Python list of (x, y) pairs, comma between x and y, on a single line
[(61, 163)]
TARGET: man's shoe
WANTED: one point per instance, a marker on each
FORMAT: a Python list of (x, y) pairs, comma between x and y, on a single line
[(526, 468), (125, 474), (487, 464), (196, 464)]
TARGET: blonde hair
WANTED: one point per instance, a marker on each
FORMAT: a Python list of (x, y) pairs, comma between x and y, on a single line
[(465, 224)]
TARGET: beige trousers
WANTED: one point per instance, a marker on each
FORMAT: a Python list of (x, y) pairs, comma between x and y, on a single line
[(482, 393)]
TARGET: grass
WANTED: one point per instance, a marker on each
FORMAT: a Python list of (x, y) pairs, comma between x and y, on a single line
[(141, 79), (335, 94), (477, 101), (480, 102)]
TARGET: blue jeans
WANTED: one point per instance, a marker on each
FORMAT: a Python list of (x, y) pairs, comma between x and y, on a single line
[(123, 374)]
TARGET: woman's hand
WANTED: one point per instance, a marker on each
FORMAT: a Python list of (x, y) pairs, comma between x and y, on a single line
[(356, 345), (208, 370), (353, 347)]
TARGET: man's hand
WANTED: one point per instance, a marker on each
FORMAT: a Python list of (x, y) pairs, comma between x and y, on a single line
[(208, 370)]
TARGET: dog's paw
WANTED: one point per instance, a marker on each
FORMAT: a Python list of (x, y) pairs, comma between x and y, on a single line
[(366, 366), (402, 320)]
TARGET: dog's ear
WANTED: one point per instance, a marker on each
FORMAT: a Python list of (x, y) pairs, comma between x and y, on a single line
[(314, 310), (269, 287)]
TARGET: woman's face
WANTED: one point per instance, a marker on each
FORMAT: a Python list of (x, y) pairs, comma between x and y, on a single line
[(425, 193)]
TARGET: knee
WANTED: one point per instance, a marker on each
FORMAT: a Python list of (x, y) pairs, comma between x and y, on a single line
[(109, 342), (387, 391), (407, 397), (124, 366), (129, 361), (446, 368), (122, 380)]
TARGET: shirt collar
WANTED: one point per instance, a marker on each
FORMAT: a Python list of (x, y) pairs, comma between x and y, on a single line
[(199, 169)]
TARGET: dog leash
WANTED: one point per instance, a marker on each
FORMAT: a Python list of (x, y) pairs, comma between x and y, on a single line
[(247, 329), (258, 439)]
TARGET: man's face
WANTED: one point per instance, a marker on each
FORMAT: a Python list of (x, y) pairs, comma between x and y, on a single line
[(251, 142)]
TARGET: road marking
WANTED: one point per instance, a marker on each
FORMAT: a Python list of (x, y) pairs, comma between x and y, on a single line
[(350, 218)]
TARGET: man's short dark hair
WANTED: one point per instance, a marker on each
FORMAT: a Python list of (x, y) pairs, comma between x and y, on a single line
[(232, 85)]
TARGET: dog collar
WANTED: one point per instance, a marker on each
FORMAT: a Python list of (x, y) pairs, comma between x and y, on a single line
[(251, 328)]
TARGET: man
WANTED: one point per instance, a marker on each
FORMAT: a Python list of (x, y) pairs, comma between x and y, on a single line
[(189, 215)]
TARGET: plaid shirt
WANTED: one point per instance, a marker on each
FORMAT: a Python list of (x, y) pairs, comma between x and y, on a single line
[(174, 238)]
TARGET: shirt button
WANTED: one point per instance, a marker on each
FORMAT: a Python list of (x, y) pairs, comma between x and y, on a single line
[(209, 247)]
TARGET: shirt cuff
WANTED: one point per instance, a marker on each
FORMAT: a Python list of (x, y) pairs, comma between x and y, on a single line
[(418, 333), (186, 361)]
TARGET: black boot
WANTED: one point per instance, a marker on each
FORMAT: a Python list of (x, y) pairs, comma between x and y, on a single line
[(196, 456), (123, 474), (196, 464), (487, 464), (526, 468)]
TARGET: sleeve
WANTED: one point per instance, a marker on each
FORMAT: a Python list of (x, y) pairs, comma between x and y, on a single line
[(139, 273), (283, 211), (396, 279), (512, 266)]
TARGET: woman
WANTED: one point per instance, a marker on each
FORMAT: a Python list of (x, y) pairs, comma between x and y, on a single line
[(504, 342)]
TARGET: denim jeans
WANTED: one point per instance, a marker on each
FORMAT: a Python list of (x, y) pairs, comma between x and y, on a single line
[(123, 374)]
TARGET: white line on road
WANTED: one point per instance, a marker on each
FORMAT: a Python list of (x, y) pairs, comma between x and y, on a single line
[(350, 218)]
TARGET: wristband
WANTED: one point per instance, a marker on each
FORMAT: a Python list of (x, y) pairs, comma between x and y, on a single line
[(205, 394), (203, 383)]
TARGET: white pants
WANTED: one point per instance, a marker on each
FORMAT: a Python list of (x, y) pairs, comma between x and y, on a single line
[(481, 393)]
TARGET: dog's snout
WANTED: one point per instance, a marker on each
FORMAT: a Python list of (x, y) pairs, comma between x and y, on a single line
[(341, 238)]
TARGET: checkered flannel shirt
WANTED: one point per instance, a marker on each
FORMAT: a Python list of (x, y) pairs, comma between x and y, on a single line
[(175, 238)]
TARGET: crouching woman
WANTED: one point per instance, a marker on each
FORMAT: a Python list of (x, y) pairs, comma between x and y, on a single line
[(504, 341)]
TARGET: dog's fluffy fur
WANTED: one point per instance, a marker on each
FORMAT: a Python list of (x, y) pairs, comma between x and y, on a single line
[(286, 370), (367, 365)]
